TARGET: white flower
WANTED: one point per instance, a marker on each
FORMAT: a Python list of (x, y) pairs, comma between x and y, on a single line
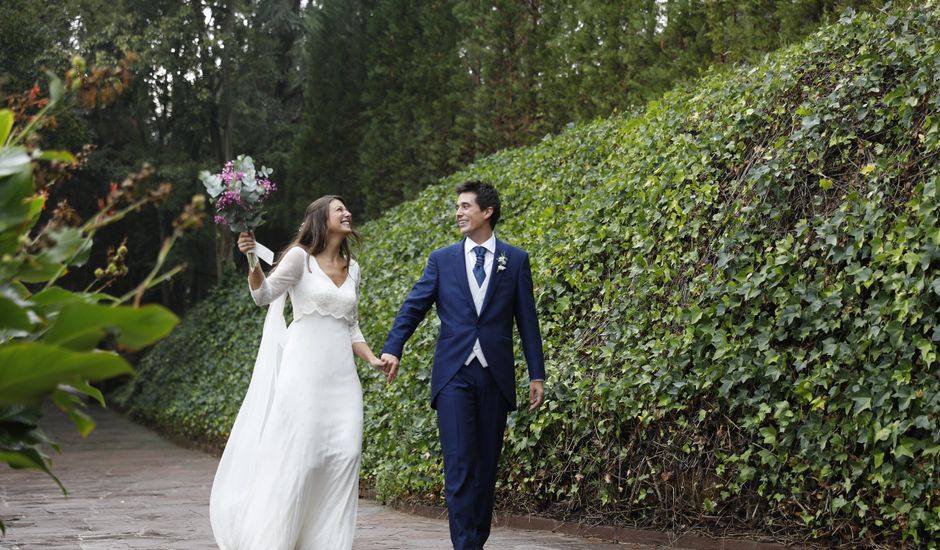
[(213, 183), (248, 183), (501, 262)]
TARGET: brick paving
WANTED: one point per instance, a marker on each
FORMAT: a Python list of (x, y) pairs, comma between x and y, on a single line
[(130, 488)]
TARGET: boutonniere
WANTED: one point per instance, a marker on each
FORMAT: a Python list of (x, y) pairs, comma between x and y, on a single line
[(501, 262)]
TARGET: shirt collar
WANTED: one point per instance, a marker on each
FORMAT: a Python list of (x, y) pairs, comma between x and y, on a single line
[(490, 245)]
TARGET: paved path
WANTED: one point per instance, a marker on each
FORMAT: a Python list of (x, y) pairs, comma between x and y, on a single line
[(130, 488)]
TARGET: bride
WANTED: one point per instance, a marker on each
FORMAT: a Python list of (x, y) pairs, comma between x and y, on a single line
[(289, 476)]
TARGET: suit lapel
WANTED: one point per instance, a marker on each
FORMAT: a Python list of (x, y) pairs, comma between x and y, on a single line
[(496, 275), (459, 265)]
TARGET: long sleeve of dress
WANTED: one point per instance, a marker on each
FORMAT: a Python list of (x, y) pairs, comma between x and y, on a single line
[(285, 275), (355, 334)]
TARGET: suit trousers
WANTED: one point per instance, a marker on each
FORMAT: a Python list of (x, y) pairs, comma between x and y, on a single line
[(471, 419)]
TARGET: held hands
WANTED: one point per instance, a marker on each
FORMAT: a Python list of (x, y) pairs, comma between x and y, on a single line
[(388, 364), (246, 242), (380, 364), (536, 394), (392, 362)]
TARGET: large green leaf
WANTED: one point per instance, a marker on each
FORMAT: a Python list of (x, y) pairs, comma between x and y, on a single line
[(24, 415), (70, 246), (71, 404), (82, 386), (81, 326), (13, 160), (30, 370), (56, 89), (37, 270), (16, 183), (48, 302), (15, 207), (22, 441), (20, 219), (70, 243), (12, 315), (56, 155), (29, 458), (6, 124)]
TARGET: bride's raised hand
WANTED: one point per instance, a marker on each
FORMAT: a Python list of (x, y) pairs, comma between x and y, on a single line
[(246, 242)]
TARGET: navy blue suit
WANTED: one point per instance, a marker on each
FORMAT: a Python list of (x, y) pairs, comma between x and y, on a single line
[(471, 401)]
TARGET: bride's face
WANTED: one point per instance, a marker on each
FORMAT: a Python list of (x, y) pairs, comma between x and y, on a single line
[(339, 218)]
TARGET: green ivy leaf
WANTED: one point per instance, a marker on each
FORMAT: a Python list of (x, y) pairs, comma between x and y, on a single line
[(903, 450)]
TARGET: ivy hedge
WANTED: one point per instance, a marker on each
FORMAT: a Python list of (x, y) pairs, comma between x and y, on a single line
[(739, 290)]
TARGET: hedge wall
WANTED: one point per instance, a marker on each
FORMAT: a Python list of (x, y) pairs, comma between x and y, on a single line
[(739, 290)]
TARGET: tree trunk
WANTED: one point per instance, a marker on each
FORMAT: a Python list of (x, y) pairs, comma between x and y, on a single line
[(224, 260)]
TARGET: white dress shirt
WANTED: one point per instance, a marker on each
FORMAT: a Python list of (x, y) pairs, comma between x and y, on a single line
[(477, 291)]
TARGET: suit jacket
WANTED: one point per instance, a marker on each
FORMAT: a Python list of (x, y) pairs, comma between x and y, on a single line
[(508, 299)]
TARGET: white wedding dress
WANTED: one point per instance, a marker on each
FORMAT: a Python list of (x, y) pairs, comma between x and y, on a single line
[(289, 476)]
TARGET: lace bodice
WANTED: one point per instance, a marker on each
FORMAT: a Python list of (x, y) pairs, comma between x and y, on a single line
[(312, 291)]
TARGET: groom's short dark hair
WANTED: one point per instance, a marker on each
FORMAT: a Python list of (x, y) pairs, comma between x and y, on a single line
[(487, 197)]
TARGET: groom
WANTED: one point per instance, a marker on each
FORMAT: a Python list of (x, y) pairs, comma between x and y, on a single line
[(481, 286)]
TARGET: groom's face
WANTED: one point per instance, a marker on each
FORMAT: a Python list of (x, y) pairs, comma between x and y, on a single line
[(470, 219)]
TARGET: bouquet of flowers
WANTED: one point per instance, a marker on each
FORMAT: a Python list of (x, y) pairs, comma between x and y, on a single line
[(238, 192)]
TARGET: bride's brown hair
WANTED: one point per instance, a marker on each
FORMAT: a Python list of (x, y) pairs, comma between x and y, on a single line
[(313, 231)]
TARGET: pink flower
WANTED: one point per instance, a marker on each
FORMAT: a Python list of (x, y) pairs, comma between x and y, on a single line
[(228, 174), (268, 185)]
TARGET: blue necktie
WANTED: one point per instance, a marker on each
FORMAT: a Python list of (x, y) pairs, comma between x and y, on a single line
[(478, 272)]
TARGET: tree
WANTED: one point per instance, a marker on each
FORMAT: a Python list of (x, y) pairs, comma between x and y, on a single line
[(415, 87), (324, 155), (503, 46)]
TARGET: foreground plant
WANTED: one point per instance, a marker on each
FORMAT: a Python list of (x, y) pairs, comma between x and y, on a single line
[(50, 337)]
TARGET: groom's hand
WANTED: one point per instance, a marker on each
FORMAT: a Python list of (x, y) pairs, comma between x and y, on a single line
[(536, 394), (392, 363)]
